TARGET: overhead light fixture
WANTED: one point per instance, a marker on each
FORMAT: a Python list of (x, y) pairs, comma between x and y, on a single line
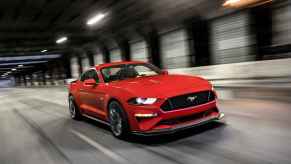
[(29, 62), (20, 65), (244, 3), (34, 57), (95, 19), (44, 51), (13, 69), (230, 2), (61, 40)]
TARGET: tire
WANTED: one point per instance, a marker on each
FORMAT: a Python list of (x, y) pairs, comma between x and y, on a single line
[(73, 109), (118, 120)]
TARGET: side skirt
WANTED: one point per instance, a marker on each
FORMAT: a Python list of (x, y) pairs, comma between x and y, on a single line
[(96, 119)]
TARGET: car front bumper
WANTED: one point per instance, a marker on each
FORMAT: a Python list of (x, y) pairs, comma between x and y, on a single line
[(172, 121), (194, 123)]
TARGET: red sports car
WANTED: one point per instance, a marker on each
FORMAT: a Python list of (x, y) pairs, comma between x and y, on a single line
[(137, 97)]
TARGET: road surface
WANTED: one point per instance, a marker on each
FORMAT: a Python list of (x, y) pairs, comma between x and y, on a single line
[(35, 127)]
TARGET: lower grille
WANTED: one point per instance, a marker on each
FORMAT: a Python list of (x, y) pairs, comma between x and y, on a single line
[(188, 100), (185, 119)]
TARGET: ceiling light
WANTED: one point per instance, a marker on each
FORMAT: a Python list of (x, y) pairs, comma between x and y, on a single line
[(20, 65), (61, 40), (244, 3), (34, 57), (13, 69), (95, 19), (44, 51), (30, 62), (230, 2)]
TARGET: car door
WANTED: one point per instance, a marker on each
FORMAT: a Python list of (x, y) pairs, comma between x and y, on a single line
[(94, 96), (83, 95)]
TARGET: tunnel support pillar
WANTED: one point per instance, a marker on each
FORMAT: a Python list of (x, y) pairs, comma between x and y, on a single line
[(154, 46), (199, 42), (106, 54), (261, 27), (125, 50)]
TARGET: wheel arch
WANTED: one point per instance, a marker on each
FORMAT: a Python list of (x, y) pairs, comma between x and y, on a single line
[(111, 99), (123, 111)]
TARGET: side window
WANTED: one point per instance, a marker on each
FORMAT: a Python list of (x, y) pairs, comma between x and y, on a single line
[(91, 74), (84, 76), (94, 76)]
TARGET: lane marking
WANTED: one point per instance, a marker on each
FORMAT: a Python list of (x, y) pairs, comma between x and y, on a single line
[(101, 148)]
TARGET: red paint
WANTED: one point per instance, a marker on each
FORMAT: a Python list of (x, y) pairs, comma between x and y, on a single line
[(93, 99)]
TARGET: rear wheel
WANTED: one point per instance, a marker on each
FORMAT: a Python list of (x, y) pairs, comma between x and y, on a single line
[(118, 120), (74, 110)]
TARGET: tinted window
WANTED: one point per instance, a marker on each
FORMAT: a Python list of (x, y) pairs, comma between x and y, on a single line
[(84, 76), (91, 74)]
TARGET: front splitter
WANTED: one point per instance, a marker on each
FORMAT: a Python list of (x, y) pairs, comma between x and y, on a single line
[(181, 127)]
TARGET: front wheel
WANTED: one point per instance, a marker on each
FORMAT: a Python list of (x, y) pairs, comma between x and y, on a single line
[(118, 120)]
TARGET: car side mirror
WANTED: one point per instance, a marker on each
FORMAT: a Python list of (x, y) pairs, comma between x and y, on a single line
[(90, 82), (165, 72)]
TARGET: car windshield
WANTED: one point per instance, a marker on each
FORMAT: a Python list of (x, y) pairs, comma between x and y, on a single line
[(125, 71)]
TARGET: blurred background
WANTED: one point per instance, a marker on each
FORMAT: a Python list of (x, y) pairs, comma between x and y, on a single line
[(230, 42), (243, 47)]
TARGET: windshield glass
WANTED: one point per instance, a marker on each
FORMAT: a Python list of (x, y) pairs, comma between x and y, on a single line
[(125, 71)]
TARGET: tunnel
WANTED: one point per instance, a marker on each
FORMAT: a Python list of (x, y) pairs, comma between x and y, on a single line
[(144, 81)]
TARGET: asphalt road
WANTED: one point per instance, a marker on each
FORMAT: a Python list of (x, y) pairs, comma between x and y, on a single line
[(35, 128)]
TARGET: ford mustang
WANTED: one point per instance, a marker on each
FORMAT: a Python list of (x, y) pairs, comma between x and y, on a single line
[(137, 97)]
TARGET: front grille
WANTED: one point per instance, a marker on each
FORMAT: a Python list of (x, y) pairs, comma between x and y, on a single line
[(188, 100)]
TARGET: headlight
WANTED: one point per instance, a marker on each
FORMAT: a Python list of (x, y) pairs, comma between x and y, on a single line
[(142, 101)]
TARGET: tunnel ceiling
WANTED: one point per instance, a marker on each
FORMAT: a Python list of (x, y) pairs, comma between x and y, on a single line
[(28, 26)]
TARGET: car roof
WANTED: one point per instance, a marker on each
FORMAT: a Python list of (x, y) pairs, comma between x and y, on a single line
[(100, 66)]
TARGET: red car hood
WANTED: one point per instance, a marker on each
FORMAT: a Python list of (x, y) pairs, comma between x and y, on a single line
[(162, 86)]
